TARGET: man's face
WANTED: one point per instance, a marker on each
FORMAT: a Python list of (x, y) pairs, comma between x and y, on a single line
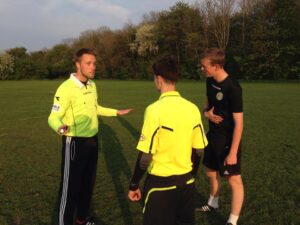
[(208, 68), (86, 66)]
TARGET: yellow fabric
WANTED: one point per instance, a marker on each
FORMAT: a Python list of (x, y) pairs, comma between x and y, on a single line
[(172, 127), (76, 105)]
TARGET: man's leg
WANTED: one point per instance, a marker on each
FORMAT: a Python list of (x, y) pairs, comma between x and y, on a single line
[(159, 204), (215, 187), (88, 181), (185, 214), (237, 189), (71, 174)]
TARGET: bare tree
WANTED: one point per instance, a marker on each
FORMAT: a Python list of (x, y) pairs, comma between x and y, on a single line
[(218, 14), (204, 25), (246, 7)]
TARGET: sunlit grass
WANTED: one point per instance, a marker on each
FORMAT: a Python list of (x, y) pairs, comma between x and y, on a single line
[(30, 153)]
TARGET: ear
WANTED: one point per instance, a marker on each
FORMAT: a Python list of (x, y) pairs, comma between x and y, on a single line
[(159, 78), (77, 64), (218, 66)]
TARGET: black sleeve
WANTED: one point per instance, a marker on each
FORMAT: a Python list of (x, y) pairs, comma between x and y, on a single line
[(196, 158), (236, 99), (142, 163)]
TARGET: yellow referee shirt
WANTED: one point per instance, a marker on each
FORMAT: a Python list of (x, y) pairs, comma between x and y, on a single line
[(76, 106), (172, 127)]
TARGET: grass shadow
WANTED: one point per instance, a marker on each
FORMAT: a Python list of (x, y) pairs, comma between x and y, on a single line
[(134, 132), (117, 166)]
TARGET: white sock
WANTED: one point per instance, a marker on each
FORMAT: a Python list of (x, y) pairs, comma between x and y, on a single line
[(233, 219), (213, 201)]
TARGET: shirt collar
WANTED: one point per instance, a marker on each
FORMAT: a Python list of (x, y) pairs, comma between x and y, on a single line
[(78, 82), (169, 93)]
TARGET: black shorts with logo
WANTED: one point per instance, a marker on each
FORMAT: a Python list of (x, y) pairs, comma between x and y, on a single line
[(215, 153)]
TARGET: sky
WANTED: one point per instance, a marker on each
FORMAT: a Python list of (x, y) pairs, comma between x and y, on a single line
[(39, 24)]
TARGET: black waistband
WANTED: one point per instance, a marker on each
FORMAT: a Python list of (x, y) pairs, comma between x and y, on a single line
[(175, 180)]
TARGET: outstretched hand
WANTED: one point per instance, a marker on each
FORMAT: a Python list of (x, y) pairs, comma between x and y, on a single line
[(122, 112), (213, 117)]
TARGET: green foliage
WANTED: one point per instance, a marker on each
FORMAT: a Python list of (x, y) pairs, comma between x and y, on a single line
[(145, 43), (6, 66), (263, 42), (59, 61), (270, 48)]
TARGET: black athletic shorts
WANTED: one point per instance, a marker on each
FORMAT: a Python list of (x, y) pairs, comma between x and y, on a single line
[(169, 200), (215, 153)]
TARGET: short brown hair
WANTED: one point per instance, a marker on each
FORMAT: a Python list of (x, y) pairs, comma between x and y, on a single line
[(167, 67), (215, 55), (80, 52)]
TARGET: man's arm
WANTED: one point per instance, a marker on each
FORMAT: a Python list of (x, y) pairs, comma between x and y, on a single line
[(196, 158), (103, 111), (60, 104), (231, 159), (209, 113), (142, 163)]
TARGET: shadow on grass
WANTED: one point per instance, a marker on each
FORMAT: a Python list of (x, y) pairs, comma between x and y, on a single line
[(134, 132), (117, 166)]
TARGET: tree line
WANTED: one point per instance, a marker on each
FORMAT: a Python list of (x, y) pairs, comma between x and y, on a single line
[(260, 38)]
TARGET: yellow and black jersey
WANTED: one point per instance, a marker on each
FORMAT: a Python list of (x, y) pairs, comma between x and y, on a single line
[(172, 127)]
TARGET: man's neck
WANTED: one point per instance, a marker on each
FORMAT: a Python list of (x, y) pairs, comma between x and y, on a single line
[(167, 88), (81, 78), (220, 75)]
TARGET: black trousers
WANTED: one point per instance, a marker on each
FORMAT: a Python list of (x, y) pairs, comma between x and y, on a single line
[(78, 173), (169, 201)]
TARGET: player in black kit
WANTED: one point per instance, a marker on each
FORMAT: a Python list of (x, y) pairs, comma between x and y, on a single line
[(224, 110)]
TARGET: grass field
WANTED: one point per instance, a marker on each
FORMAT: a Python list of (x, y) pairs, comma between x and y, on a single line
[(30, 154)]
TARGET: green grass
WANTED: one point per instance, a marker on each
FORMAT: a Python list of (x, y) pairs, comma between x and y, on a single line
[(30, 153)]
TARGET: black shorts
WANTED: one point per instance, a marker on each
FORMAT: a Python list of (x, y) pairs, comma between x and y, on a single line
[(167, 203), (215, 153)]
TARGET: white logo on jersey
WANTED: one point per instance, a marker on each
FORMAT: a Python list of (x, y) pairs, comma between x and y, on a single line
[(218, 88), (226, 172), (219, 96), (55, 108)]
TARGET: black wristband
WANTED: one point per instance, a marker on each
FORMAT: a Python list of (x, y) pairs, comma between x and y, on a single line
[(133, 186)]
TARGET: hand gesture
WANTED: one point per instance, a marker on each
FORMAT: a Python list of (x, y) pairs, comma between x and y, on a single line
[(213, 117), (122, 112)]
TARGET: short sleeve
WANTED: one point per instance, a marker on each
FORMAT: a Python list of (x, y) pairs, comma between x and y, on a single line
[(199, 140), (236, 99), (149, 137)]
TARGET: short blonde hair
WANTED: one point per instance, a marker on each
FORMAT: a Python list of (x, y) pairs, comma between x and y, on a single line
[(216, 56)]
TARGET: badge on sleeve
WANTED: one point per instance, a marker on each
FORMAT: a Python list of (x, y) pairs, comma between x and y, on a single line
[(142, 137), (55, 108)]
